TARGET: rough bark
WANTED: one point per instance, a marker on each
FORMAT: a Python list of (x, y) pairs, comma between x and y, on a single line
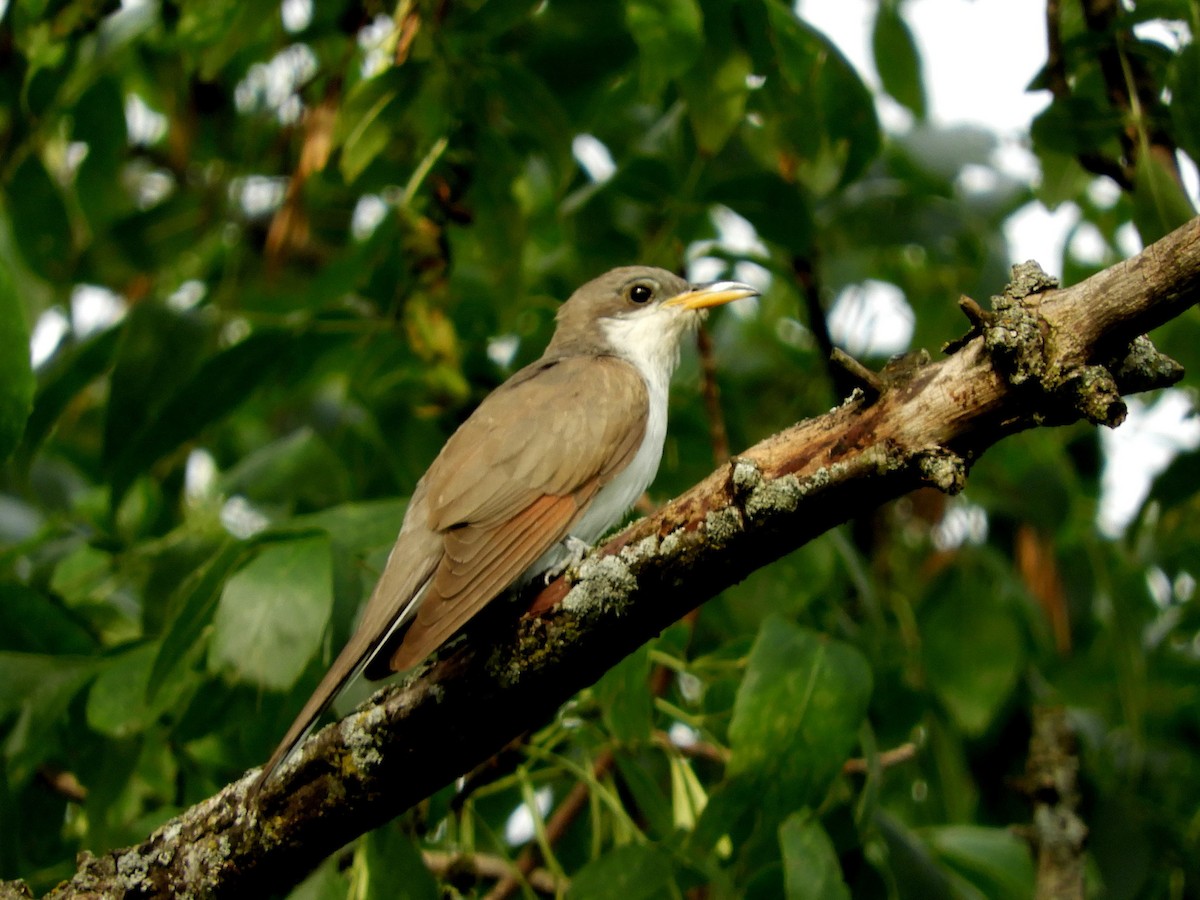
[(1040, 356)]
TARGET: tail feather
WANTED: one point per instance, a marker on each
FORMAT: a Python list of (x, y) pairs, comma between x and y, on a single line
[(362, 647)]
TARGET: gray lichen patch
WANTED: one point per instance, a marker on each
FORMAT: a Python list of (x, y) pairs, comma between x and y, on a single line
[(1093, 392), (357, 734), (1028, 351), (778, 495), (634, 554), (1145, 367), (201, 862), (671, 544), (1014, 336), (855, 397), (721, 525), (1014, 340), (943, 469), (604, 585), (746, 477), (133, 870), (1028, 278)]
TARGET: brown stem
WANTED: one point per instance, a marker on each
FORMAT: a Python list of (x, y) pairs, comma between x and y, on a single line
[(1058, 834), (717, 433), (481, 865), (805, 271), (556, 826), (1131, 90)]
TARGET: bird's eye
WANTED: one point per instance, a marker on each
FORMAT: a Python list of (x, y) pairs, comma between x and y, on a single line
[(641, 293)]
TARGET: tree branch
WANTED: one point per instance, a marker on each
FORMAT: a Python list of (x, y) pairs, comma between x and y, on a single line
[(1040, 356)]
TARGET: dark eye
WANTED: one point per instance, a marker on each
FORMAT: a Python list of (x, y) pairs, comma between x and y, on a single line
[(641, 293)]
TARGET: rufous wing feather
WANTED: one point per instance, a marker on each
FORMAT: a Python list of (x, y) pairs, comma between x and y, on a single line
[(480, 563)]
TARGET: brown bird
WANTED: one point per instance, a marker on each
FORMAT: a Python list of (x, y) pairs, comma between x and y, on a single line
[(546, 464)]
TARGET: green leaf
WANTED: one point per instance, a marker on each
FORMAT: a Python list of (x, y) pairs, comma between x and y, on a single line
[(326, 883), (31, 622), (897, 59), (522, 104), (41, 229), (192, 607), (81, 576), (623, 693), (688, 797), (780, 212), (298, 469), (159, 351), (652, 803), (362, 130), (811, 870), (993, 860), (117, 703), (24, 675), (218, 386), (1184, 81), (1063, 178), (496, 16), (973, 649), (1178, 483), (909, 861), (68, 373), (716, 94), (797, 713), (38, 689), (818, 108), (99, 122), (272, 614), (1076, 125), (388, 866), (669, 35), (358, 527), (16, 371), (632, 872), (1160, 204)]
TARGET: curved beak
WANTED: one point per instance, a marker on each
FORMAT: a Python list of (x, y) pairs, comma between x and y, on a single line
[(702, 296)]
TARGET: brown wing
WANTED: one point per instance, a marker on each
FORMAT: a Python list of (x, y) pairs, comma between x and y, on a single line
[(506, 487), (515, 477)]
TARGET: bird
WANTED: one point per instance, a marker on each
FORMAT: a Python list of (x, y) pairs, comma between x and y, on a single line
[(546, 464)]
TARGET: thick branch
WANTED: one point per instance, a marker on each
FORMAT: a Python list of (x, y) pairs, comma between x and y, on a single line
[(1041, 356)]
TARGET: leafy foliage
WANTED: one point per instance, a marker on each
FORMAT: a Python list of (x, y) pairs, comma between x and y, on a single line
[(326, 234)]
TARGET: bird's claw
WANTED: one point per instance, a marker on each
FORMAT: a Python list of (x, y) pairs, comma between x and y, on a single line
[(576, 549)]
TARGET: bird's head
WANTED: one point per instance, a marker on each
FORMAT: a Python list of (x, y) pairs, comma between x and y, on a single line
[(638, 312)]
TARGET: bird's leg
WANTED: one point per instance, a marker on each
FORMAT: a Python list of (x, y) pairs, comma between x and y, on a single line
[(576, 549)]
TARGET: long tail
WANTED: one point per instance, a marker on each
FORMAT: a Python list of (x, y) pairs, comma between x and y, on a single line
[(362, 647)]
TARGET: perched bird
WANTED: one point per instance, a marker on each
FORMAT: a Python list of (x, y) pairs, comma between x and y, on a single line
[(554, 456)]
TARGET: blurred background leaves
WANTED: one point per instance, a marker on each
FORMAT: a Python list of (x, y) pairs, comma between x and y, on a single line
[(268, 258)]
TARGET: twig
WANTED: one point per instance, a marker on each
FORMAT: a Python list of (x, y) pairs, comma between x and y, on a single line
[(1056, 79), (1132, 91), (556, 826), (718, 435), (483, 865), (1057, 834), (63, 783), (805, 271), (886, 759)]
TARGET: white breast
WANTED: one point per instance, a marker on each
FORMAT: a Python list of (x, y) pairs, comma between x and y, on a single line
[(650, 341), (614, 499)]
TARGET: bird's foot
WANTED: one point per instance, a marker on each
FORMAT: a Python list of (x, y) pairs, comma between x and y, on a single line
[(576, 549)]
